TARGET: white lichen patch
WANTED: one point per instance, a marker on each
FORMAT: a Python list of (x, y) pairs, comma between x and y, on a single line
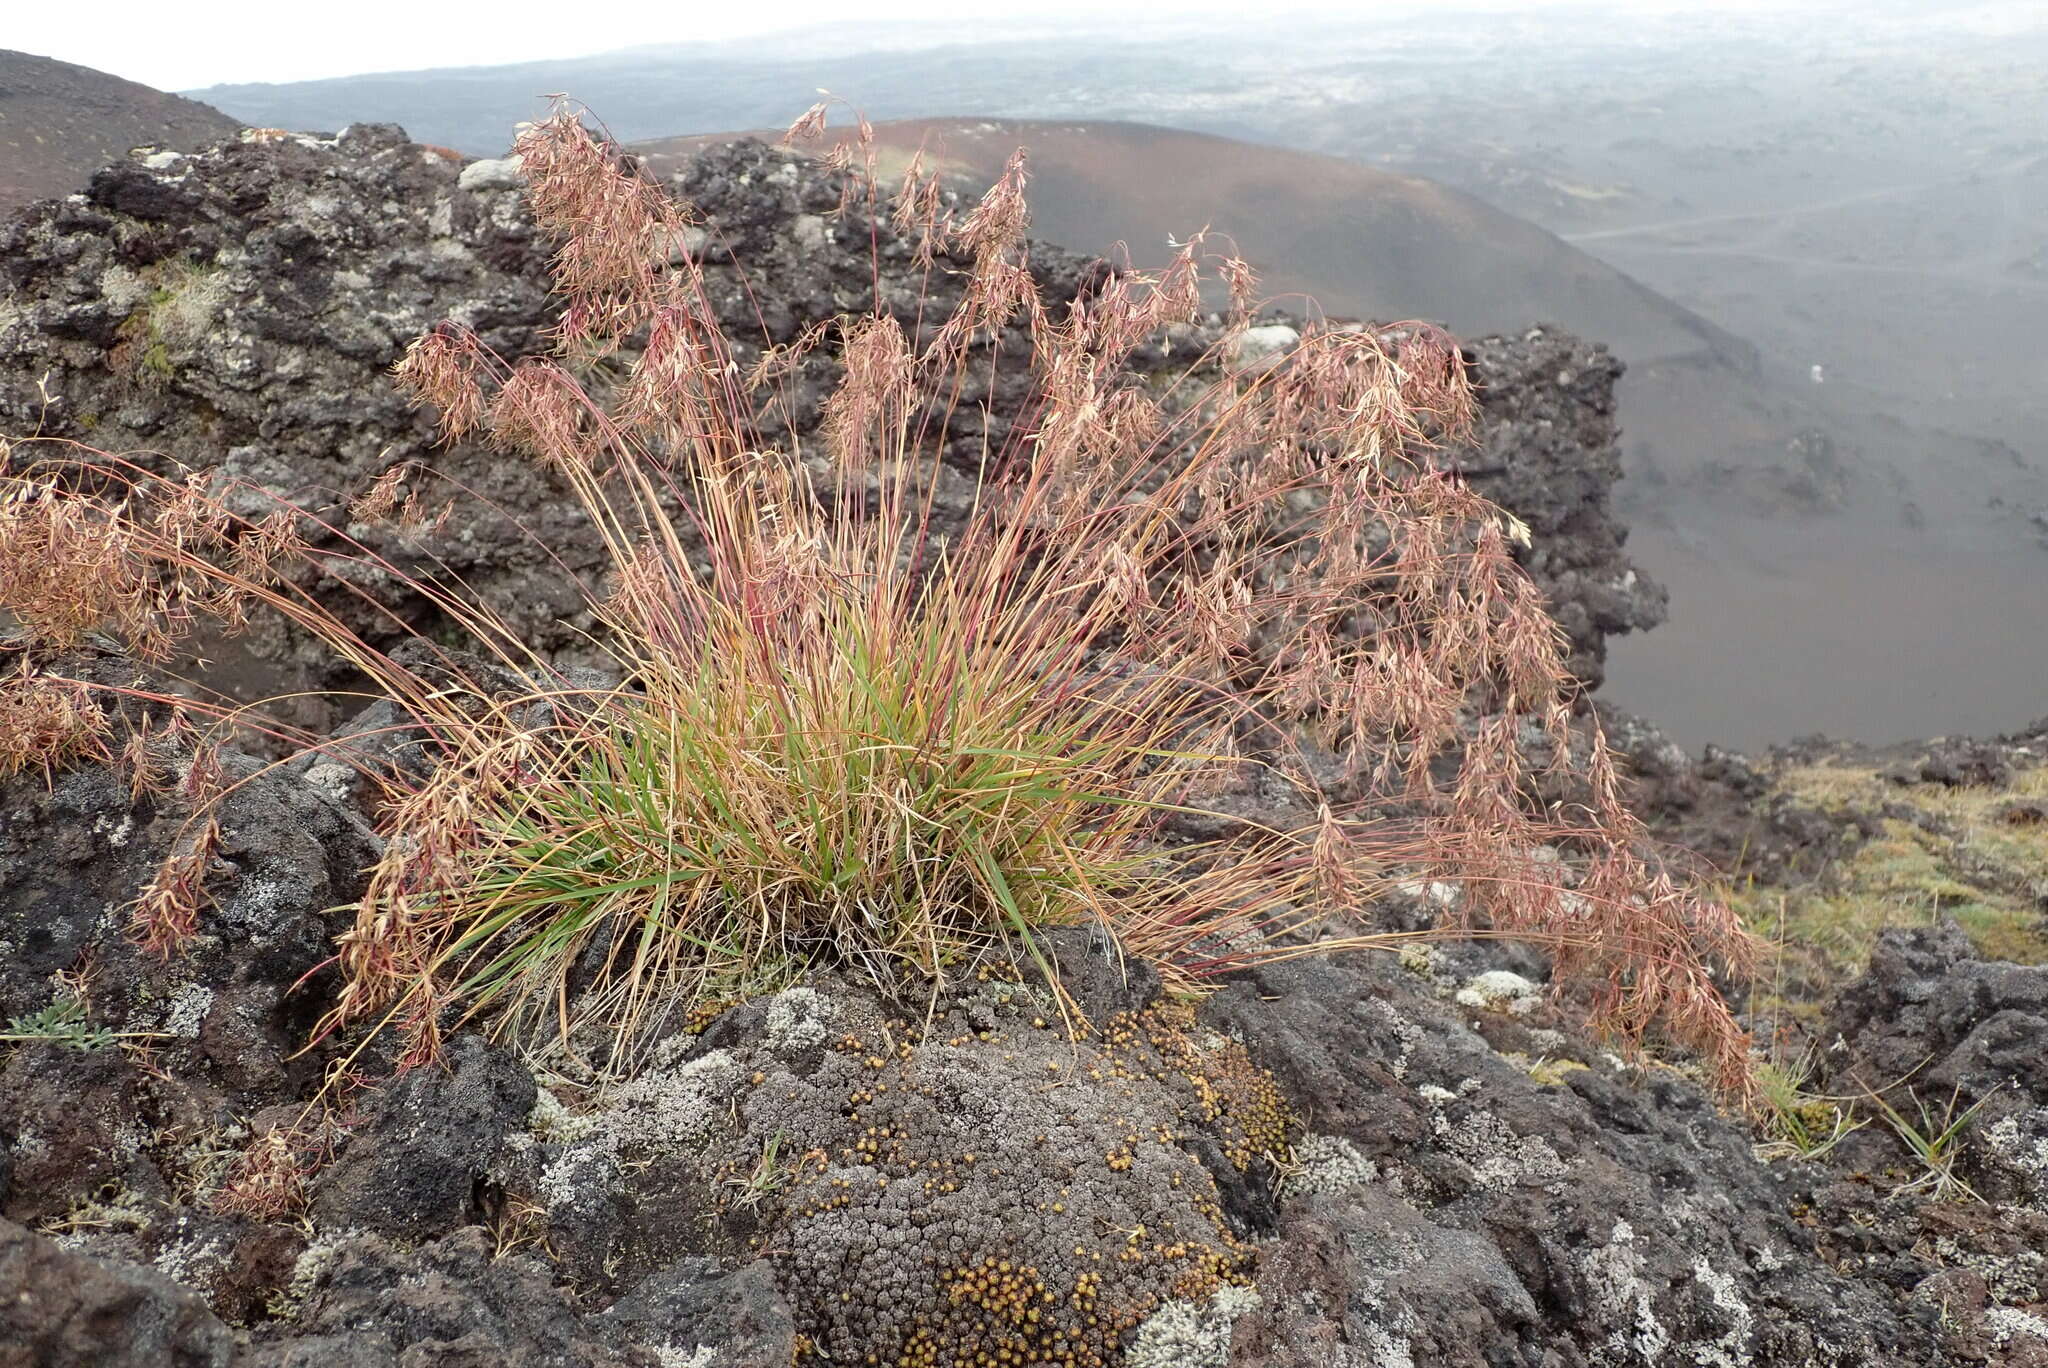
[(307, 1271), (673, 1356), (2008, 1323), (2009, 1278), (1498, 1157), (197, 1261), (259, 907), (665, 1113), (1500, 990), (797, 1021), (591, 1167), (1614, 1277), (552, 1122), (1405, 1032), (2020, 1141), (1328, 1164), (1730, 1349), (130, 1139), (115, 831), (670, 1110), (1182, 1335), (187, 1011), (123, 290), (1385, 1349), (332, 781)]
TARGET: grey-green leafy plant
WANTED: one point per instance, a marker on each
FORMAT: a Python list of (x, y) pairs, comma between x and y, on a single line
[(64, 1023)]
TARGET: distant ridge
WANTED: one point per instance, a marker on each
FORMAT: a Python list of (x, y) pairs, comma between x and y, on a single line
[(1361, 241), (59, 123)]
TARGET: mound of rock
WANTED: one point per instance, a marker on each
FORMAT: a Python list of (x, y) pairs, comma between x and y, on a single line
[(237, 309), (1364, 1159), (1548, 450), (1339, 1160), (1932, 1019)]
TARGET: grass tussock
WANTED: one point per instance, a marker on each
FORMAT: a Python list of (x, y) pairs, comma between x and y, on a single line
[(853, 716)]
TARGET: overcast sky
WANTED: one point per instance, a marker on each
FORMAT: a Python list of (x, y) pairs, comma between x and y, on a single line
[(186, 44)]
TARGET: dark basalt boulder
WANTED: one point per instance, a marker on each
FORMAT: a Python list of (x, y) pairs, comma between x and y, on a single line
[(65, 1310), (414, 1165), (1548, 450), (1930, 1022)]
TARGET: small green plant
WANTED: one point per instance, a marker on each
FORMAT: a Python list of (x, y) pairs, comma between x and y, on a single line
[(1935, 1141), (1796, 1123), (156, 361), (767, 1178), (63, 1023)]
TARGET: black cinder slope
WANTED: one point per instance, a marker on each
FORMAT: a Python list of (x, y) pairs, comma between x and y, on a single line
[(59, 123)]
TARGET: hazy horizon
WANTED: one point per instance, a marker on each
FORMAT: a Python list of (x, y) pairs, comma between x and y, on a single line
[(212, 47)]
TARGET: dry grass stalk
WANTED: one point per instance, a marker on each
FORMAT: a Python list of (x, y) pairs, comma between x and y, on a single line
[(46, 723), (271, 1180), (166, 915)]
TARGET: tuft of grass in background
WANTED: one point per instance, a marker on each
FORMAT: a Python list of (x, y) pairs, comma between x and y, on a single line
[(856, 724), (1795, 1122), (1934, 1137)]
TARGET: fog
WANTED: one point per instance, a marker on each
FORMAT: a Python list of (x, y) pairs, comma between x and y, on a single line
[(218, 41), (1840, 472)]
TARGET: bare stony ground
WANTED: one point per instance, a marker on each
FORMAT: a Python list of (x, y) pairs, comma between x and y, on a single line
[(1333, 1161)]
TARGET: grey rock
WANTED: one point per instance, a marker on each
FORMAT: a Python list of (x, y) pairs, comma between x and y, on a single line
[(1930, 1021), (413, 1167), (65, 1310), (1547, 451), (1262, 346), (694, 1302), (447, 1302), (492, 173), (324, 1351), (1602, 1218)]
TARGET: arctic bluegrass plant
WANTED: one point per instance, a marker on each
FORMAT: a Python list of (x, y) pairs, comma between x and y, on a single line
[(863, 721)]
